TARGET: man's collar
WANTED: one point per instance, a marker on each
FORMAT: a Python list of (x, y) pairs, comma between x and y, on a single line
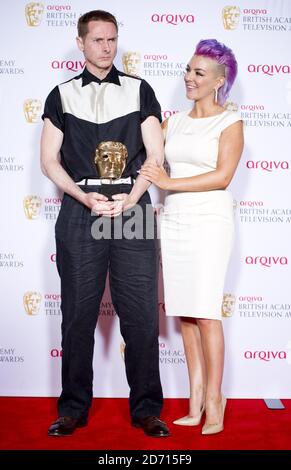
[(111, 77)]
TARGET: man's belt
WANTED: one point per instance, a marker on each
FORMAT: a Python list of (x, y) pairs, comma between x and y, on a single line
[(100, 181)]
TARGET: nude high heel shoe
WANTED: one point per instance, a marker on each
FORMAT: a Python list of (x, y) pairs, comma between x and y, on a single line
[(190, 420), (215, 427)]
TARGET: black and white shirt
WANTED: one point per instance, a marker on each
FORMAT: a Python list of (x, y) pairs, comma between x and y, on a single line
[(88, 111)]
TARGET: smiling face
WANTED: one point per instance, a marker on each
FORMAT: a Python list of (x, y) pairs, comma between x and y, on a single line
[(203, 76), (99, 46)]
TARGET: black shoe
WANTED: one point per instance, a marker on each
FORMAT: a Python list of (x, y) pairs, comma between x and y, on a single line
[(66, 425), (152, 426)]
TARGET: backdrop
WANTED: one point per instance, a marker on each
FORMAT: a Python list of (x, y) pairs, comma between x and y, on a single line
[(156, 40)]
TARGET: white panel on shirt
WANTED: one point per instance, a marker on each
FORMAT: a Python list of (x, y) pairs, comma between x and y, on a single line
[(88, 102)]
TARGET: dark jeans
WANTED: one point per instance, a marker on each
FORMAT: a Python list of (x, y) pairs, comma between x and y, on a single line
[(83, 263)]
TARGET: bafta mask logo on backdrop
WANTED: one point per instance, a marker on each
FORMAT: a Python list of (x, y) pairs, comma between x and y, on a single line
[(230, 17), (122, 350), (32, 108), (228, 304), (231, 106), (31, 206), (31, 302), (131, 62), (33, 13)]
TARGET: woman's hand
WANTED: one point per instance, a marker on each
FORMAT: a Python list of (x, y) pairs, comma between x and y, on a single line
[(156, 174)]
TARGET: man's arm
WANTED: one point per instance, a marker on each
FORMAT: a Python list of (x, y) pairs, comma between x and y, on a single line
[(153, 140), (51, 142)]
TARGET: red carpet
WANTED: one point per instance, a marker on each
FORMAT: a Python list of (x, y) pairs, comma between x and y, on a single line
[(249, 424)]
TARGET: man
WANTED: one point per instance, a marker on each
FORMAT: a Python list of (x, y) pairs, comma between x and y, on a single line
[(104, 105)]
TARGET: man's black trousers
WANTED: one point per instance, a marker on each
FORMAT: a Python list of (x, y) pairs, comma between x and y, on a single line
[(83, 263)]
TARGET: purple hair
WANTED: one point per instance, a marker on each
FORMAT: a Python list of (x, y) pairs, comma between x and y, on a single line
[(224, 56)]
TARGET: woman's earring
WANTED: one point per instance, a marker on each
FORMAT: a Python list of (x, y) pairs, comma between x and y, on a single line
[(215, 95)]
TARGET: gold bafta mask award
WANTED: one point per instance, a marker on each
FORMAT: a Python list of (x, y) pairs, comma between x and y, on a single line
[(110, 159)]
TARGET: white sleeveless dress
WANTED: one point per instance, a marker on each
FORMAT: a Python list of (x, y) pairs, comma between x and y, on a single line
[(196, 227)]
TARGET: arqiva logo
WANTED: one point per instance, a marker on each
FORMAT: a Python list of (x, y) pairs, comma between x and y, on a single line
[(72, 65), (269, 69), (59, 7), (56, 352), (267, 261), (267, 165), (173, 19), (251, 203), (253, 11), (265, 355), (252, 107), (167, 113)]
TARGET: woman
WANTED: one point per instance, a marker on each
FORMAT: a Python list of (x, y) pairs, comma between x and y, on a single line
[(203, 147)]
